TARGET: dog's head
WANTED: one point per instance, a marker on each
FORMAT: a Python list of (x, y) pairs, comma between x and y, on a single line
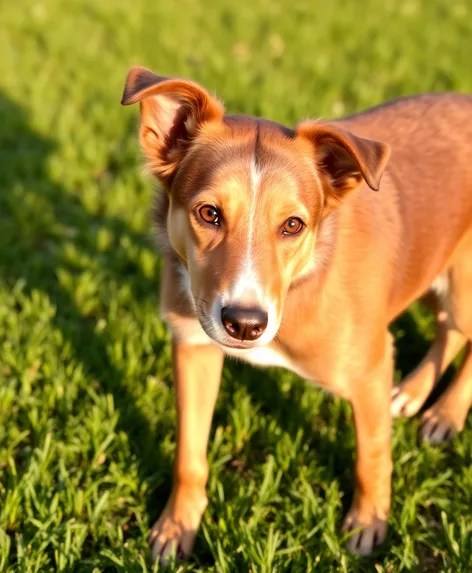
[(246, 198)]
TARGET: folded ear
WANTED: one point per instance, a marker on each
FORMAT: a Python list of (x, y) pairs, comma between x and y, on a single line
[(172, 111), (345, 158)]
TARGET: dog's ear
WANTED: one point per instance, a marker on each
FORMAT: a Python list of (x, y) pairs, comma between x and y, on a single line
[(344, 158), (172, 111)]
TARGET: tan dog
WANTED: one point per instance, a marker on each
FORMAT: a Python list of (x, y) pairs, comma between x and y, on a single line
[(277, 251)]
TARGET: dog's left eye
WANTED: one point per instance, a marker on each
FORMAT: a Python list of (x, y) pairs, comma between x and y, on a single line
[(292, 226), (209, 214)]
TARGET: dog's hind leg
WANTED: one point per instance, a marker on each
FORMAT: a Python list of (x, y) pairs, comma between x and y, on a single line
[(411, 394), (447, 416)]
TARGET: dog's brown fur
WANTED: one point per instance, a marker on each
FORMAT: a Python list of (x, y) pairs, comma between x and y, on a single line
[(330, 291)]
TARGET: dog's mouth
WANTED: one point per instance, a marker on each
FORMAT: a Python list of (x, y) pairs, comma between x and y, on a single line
[(242, 347)]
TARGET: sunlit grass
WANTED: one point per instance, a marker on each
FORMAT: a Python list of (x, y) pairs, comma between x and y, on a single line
[(87, 421)]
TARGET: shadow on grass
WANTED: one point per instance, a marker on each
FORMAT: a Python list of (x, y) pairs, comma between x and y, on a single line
[(35, 214)]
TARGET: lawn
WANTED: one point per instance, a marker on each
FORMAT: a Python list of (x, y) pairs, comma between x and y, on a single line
[(87, 421)]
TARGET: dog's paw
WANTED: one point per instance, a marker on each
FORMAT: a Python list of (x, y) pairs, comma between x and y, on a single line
[(365, 532), (439, 426), (407, 399), (174, 533)]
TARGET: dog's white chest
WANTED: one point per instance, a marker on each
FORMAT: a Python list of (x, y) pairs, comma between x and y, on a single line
[(266, 356), (261, 356)]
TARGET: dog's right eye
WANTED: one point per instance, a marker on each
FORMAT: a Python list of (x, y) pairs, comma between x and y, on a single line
[(209, 214)]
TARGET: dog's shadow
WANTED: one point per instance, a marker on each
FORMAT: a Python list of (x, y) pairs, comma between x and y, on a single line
[(36, 213)]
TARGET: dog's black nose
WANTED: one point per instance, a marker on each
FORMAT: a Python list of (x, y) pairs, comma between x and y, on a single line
[(244, 323)]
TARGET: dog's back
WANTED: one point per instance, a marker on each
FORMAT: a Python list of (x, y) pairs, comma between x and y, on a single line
[(424, 205)]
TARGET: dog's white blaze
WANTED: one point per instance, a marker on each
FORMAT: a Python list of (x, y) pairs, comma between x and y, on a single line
[(255, 183), (247, 288), (247, 282), (255, 176), (249, 273)]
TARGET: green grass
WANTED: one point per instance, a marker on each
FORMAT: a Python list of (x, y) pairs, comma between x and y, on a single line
[(87, 421)]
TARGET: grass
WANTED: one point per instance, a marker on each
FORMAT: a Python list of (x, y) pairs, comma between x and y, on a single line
[(87, 420)]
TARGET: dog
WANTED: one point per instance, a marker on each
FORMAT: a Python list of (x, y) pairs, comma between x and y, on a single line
[(297, 248)]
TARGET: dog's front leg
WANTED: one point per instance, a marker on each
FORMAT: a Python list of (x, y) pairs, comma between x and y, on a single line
[(367, 518), (197, 374)]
